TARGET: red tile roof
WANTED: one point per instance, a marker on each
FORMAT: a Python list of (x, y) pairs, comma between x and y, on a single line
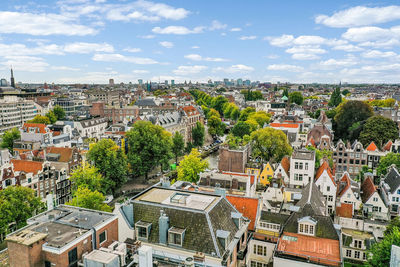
[(190, 110), (285, 162), (284, 125), (388, 146), (322, 168), (342, 189), (368, 189), (41, 128), (247, 206), (372, 147), (64, 152), (322, 250), (27, 166), (345, 210)]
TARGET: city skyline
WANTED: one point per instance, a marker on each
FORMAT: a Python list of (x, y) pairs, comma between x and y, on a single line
[(91, 41)]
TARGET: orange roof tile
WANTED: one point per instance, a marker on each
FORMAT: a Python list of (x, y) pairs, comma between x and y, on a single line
[(323, 250), (345, 179), (322, 168), (368, 189), (284, 125), (40, 126), (311, 141), (27, 166), (345, 210), (64, 152), (372, 147), (285, 162), (247, 206), (190, 109)]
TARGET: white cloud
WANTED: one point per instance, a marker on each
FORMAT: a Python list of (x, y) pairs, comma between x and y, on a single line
[(64, 68), (41, 24), (179, 30), (360, 16), (195, 47), (239, 68), (216, 25), (122, 58), (347, 48), (85, 48), (236, 29), (186, 70), (350, 61), (305, 49), (251, 37), (140, 71), (197, 57), (285, 67), (272, 56), (163, 10), (378, 54), (281, 41), (302, 56), (23, 50), (149, 36), (25, 63), (167, 44), (371, 33), (133, 50)]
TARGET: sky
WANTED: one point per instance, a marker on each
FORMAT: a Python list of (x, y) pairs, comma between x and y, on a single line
[(91, 41)]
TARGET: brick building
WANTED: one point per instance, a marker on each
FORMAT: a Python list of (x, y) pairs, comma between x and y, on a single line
[(61, 236), (233, 160)]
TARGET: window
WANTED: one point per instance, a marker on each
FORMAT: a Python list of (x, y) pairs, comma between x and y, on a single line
[(47, 264), (103, 237), (330, 198), (365, 256), (175, 236), (398, 191), (348, 253), (306, 166), (357, 254), (375, 199), (143, 230), (261, 250), (73, 258), (357, 243), (296, 165), (328, 188), (301, 165), (306, 228)]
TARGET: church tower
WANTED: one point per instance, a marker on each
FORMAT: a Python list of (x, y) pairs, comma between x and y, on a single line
[(12, 79)]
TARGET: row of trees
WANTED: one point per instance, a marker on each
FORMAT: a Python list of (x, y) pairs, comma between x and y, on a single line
[(250, 95)]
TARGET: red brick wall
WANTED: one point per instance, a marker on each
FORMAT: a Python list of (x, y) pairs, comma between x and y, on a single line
[(232, 161), (25, 256), (112, 234)]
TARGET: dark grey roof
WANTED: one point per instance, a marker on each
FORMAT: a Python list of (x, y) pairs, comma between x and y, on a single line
[(392, 179), (271, 217), (145, 102), (311, 195)]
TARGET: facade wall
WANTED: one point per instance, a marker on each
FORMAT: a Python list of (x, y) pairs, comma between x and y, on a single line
[(232, 160)]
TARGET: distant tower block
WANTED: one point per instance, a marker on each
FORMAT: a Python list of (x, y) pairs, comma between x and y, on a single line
[(111, 82), (12, 79)]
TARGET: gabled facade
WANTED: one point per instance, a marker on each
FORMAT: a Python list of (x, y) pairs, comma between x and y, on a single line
[(348, 191), (373, 205), (282, 171), (391, 190), (325, 182), (266, 174)]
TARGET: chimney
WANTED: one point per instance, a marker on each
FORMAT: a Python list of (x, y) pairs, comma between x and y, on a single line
[(163, 226)]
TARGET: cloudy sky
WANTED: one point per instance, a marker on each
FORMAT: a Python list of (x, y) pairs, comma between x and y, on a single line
[(90, 41)]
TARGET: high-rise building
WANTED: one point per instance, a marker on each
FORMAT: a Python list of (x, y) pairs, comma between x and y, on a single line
[(239, 82), (226, 81), (111, 82), (172, 82), (15, 112), (247, 82), (3, 82), (140, 81), (166, 82), (12, 79)]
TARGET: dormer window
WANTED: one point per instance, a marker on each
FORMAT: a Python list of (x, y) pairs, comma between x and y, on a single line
[(143, 230), (223, 237), (175, 236), (307, 225)]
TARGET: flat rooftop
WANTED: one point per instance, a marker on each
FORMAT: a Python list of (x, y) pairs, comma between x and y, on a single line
[(357, 234), (101, 256), (192, 200), (303, 154)]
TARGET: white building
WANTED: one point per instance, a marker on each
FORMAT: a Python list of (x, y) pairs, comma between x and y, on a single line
[(391, 190), (91, 128), (14, 112), (326, 184), (302, 167), (349, 191)]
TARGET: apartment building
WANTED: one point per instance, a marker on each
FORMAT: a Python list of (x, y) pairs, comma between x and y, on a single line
[(302, 167), (14, 112)]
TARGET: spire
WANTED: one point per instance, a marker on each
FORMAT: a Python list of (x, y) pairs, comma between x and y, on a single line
[(12, 78)]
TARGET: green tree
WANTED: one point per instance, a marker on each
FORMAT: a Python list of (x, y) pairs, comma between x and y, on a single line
[(111, 163), (395, 222), (17, 204), (59, 112), (191, 166), (235, 113), (149, 146), (178, 145), (229, 109), (52, 117), (345, 92), (336, 98), (261, 117), (212, 113), (387, 161), (381, 251), (244, 114), (321, 154), (270, 144), (215, 126), (296, 97), (285, 92), (218, 103), (85, 198), (241, 129), (88, 176), (198, 133), (40, 119), (379, 130), (9, 137), (348, 114)]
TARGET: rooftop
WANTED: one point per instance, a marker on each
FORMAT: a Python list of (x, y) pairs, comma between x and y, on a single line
[(303, 154)]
